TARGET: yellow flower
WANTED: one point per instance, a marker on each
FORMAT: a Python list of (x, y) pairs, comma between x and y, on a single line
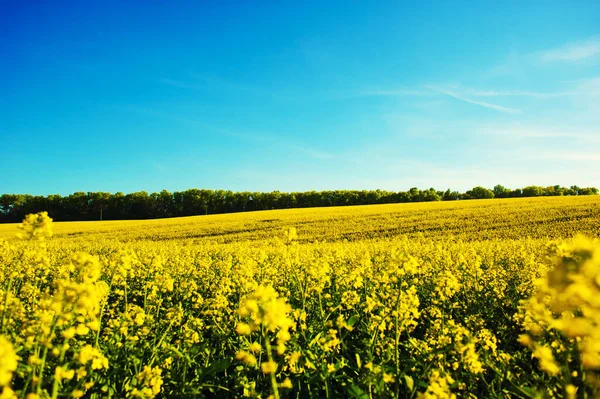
[(81, 329), (89, 354), (69, 333), (36, 226), (525, 339), (150, 381), (546, 358), (571, 391), (61, 373), (254, 347), (268, 367), (247, 358), (287, 383), (9, 361), (243, 329), (294, 357), (8, 393)]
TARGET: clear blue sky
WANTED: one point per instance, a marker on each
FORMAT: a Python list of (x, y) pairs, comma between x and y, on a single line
[(293, 96)]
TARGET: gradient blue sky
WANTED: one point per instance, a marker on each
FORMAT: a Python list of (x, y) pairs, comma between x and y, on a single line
[(293, 96)]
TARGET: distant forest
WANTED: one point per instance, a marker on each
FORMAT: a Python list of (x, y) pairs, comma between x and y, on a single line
[(141, 205)]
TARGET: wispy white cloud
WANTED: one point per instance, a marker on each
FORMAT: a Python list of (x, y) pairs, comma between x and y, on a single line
[(542, 132), (511, 93), (572, 52), (590, 86), (475, 102), (570, 156), (520, 65), (462, 91), (459, 91)]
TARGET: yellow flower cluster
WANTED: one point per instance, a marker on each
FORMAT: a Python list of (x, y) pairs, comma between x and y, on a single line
[(563, 316), (36, 226), (265, 309), (9, 362), (147, 383), (439, 387)]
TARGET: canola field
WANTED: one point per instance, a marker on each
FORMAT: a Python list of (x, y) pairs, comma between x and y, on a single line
[(465, 299)]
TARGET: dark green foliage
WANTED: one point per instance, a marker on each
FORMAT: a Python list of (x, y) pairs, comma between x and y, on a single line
[(479, 193), (141, 205)]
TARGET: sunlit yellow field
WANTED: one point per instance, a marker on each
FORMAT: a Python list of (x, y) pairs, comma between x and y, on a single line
[(541, 217), (487, 298)]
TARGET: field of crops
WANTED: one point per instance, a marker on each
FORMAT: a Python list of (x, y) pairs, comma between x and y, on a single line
[(489, 298)]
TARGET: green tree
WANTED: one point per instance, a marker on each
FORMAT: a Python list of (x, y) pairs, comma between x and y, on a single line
[(480, 193), (98, 202), (533, 191), (430, 195), (500, 191), (450, 195)]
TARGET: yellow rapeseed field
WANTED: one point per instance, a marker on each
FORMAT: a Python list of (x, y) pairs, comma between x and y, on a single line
[(490, 298)]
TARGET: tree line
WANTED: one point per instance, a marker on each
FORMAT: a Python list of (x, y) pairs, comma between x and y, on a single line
[(81, 206)]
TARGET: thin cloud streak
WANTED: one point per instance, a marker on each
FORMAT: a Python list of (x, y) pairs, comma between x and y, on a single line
[(542, 133), (572, 52), (566, 156), (465, 91), (513, 93), (480, 103)]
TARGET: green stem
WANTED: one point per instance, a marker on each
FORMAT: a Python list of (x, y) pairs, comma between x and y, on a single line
[(56, 382), (5, 306), (215, 386), (157, 346), (397, 343), (44, 356), (41, 373), (102, 311), (270, 358)]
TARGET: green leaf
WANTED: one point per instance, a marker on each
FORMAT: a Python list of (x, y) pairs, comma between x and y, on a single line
[(357, 393), (521, 391), (216, 367), (410, 383), (352, 321), (314, 340)]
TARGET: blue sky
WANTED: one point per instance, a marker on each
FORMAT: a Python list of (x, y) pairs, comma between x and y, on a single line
[(293, 96)]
